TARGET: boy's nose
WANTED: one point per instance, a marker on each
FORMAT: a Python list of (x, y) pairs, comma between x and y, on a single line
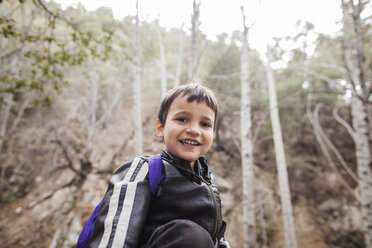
[(193, 129)]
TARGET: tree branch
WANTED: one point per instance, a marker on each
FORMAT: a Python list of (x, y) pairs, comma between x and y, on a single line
[(43, 6), (20, 114), (343, 123), (323, 146), (330, 145), (67, 157), (330, 81), (49, 194)]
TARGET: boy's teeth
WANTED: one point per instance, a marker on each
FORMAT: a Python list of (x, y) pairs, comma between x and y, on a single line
[(190, 142)]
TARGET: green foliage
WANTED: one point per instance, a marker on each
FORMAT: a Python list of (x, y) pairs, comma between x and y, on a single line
[(7, 27), (304, 159), (51, 49)]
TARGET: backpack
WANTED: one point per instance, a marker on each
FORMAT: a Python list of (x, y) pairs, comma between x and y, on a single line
[(155, 173)]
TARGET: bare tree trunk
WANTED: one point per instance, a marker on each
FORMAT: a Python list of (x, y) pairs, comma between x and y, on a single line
[(194, 35), (261, 215), (364, 162), (163, 65), (369, 114), (93, 117), (177, 78), (249, 231), (137, 111), (201, 58), (4, 116), (355, 65), (285, 195), (18, 118)]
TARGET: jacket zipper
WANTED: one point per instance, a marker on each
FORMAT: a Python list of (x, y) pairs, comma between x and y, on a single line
[(215, 206)]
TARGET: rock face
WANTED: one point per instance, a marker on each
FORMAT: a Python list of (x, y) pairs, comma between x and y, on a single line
[(45, 203)]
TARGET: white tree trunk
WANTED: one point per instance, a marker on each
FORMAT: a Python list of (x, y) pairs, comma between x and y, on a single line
[(137, 112), (22, 109), (261, 217), (249, 231), (355, 67), (369, 114), (285, 195), (194, 33), (163, 65), (177, 78), (4, 116), (364, 162), (93, 117)]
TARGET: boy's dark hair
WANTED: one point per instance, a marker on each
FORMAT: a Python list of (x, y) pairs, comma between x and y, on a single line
[(194, 92)]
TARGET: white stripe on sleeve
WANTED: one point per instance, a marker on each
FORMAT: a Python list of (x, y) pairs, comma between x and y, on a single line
[(114, 203), (126, 211)]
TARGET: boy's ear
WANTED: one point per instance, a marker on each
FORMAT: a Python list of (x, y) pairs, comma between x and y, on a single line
[(159, 128)]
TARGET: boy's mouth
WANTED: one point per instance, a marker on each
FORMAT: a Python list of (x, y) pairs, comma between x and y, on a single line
[(190, 142)]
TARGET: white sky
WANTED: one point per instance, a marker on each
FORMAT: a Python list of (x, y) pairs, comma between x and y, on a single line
[(270, 17)]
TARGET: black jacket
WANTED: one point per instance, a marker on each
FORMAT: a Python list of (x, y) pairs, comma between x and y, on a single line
[(130, 209)]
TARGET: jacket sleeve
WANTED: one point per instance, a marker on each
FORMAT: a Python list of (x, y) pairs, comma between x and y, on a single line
[(124, 207)]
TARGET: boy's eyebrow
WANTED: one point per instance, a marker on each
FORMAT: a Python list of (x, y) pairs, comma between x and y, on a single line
[(180, 112), (208, 119), (185, 112)]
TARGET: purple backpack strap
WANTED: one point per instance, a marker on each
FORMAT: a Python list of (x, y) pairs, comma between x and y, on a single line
[(84, 237), (155, 172)]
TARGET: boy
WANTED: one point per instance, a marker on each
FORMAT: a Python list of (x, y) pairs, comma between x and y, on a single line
[(185, 211)]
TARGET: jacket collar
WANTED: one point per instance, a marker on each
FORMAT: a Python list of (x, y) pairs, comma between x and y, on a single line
[(184, 165)]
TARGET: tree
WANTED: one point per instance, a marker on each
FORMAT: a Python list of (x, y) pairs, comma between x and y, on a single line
[(249, 232), (179, 58), (285, 195), (14, 75), (195, 23), (356, 67), (163, 64), (137, 112), (38, 54)]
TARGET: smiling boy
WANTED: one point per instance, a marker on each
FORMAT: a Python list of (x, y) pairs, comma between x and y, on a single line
[(185, 211), (188, 128)]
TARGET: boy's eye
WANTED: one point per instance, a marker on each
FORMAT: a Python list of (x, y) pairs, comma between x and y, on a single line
[(181, 119), (205, 124)]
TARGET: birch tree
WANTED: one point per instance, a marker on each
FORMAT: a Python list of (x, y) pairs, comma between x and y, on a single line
[(179, 59), (364, 162), (4, 116), (356, 67), (163, 66), (249, 231), (93, 116), (137, 112), (285, 195), (194, 36)]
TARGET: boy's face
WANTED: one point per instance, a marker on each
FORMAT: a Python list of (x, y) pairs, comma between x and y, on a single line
[(188, 129)]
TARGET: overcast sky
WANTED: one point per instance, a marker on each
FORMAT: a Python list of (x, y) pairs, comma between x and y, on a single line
[(270, 17)]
